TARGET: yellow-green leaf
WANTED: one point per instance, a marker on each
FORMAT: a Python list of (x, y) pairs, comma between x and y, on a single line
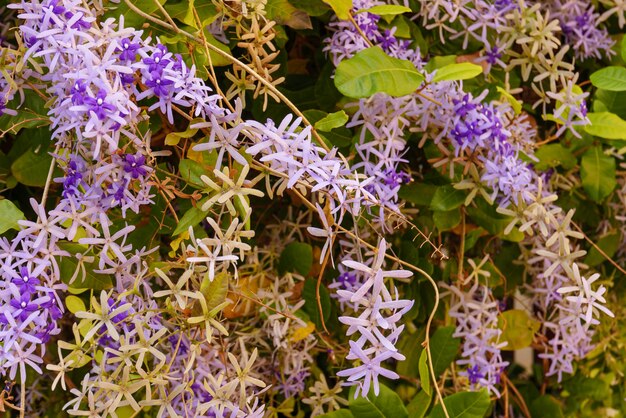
[(341, 8), (457, 71), (518, 329), (372, 71), (75, 304)]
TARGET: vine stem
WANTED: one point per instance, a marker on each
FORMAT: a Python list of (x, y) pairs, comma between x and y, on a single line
[(46, 189), (22, 398)]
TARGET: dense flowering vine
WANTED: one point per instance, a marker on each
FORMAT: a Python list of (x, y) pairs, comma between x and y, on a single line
[(193, 254)]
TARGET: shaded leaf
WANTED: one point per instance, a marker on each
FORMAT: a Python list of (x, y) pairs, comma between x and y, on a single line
[(598, 173)]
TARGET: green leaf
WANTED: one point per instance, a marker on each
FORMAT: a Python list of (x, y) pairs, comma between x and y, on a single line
[(418, 193), (173, 138), (606, 125), (331, 121), (130, 17), (184, 11), (518, 329), (386, 10), (342, 8), (554, 155), (214, 291), (444, 348), (311, 7), (30, 114), (373, 71), (608, 243), (296, 257), (386, 405), (447, 198), (463, 405), (309, 294), (424, 373), (546, 406), (32, 168), (341, 413), (191, 218), (69, 266), (75, 304), (515, 104), (457, 71), (283, 13), (611, 101), (9, 215), (444, 221), (191, 171), (419, 405), (610, 78), (597, 172)]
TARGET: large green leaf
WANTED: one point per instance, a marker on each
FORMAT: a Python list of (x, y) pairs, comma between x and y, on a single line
[(184, 11), (608, 244), (30, 114), (386, 10), (597, 171), (341, 413), (386, 405), (447, 198), (419, 405), (69, 267), (373, 71), (443, 347), (457, 71), (214, 291), (130, 17), (546, 406), (9, 215), (284, 13), (342, 8), (554, 155), (463, 405), (606, 125), (331, 121), (32, 168), (191, 218), (309, 294), (610, 78), (296, 257)]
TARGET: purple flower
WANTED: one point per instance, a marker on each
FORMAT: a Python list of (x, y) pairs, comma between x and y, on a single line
[(25, 283), (158, 84), (128, 50), (474, 374), (23, 306), (98, 105), (157, 62), (135, 165), (78, 92)]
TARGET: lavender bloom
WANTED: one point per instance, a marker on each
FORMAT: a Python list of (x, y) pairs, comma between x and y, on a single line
[(477, 318), (98, 105), (135, 165), (128, 50)]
